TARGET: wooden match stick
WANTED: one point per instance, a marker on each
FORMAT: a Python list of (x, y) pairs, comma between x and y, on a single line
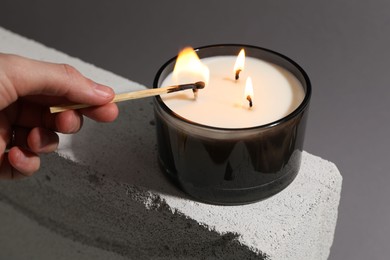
[(135, 95)]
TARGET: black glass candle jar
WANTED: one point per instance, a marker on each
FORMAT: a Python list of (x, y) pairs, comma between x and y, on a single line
[(232, 166)]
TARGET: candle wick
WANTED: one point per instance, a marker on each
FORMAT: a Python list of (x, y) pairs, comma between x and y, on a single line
[(198, 85), (250, 100), (238, 74), (195, 91)]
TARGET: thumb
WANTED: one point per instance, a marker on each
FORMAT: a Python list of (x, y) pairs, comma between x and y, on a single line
[(31, 77)]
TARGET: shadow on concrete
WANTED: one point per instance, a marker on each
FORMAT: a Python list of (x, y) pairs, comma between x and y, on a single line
[(80, 203), (125, 150), (100, 209), (110, 199)]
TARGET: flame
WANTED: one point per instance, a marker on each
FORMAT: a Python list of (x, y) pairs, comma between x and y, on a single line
[(248, 94), (240, 62), (189, 68)]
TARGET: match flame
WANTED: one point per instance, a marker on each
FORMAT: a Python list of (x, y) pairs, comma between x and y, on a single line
[(240, 62), (189, 68), (249, 90)]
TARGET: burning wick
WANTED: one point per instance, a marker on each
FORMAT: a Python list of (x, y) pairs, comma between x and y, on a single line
[(195, 91), (249, 91), (198, 85), (238, 74), (250, 100)]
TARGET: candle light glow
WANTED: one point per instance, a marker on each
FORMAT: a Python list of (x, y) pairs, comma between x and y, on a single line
[(240, 63), (189, 68)]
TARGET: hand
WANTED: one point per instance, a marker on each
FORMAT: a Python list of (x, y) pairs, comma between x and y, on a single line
[(27, 89)]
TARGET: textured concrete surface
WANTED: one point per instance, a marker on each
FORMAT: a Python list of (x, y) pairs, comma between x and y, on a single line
[(104, 192), (22, 237)]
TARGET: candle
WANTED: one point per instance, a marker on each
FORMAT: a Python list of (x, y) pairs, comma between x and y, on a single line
[(217, 147), (223, 103)]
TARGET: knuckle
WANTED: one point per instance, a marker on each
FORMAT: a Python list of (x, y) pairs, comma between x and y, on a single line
[(70, 71), (72, 77)]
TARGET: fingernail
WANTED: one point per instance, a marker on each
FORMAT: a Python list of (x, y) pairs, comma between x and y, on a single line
[(103, 91)]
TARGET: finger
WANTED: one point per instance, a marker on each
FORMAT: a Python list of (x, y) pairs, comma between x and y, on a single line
[(37, 140), (7, 172), (105, 113), (68, 122), (46, 101), (5, 137), (31, 77), (27, 114), (42, 140), (32, 115), (23, 161), (5, 133)]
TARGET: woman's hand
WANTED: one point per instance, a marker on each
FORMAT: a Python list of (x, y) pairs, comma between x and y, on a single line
[(27, 89)]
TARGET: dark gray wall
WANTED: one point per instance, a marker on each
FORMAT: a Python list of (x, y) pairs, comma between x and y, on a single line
[(343, 46)]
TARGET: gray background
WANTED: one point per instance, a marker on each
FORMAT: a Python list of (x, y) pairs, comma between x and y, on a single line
[(343, 46)]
